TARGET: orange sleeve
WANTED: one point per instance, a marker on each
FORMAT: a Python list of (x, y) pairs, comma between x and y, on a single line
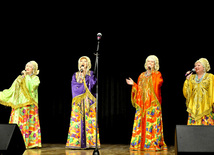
[(157, 83), (136, 94)]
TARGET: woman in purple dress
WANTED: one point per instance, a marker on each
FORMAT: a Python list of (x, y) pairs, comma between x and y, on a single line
[(82, 130)]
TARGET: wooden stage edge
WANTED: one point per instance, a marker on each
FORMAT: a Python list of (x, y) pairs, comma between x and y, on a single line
[(106, 149)]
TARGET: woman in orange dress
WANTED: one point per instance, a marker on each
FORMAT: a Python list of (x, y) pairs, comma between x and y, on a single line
[(146, 98)]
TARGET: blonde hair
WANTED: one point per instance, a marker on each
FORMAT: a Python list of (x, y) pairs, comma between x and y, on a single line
[(88, 63), (153, 58), (35, 67), (205, 64)]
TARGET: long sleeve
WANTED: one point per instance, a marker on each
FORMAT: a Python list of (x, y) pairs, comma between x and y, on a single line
[(91, 81), (185, 88), (19, 94), (157, 81), (76, 87), (32, 84), (136, 94), (35, 82), (7, 94), (212, 89)]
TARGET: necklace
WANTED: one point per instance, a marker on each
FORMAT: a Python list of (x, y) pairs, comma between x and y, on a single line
[(199, 80)]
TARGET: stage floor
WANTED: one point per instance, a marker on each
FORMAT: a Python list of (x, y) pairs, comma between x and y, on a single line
[(106, 149)]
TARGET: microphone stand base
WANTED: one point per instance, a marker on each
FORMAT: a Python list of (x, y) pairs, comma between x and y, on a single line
[(96, 151)]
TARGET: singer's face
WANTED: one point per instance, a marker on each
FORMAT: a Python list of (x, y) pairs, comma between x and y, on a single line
[(199, 67), (29, 68), (83, 62), (151, 64)]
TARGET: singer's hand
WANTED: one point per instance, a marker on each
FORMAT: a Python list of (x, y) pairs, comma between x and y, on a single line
[(23, 73), (81, 75), (187, 77), (130, 81)]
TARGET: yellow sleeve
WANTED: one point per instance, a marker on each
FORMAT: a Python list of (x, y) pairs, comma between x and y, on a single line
[(187, 90), (185, 87), (213, 89)]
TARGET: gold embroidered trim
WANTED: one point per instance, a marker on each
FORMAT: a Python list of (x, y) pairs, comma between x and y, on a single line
[(78, 99), (134, 100), (199, 116), (187, 91), (25, 91)]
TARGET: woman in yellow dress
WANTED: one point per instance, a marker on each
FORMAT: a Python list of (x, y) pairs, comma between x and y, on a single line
[(198, 90), (22, 97)]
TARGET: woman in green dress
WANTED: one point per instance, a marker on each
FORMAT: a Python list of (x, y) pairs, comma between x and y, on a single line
[(22, 97)]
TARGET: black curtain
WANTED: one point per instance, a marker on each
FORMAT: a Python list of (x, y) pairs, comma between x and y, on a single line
[(55, 38)]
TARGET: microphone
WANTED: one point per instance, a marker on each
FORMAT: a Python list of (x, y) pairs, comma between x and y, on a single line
[(81, 70), (99, 35), (23, 72), (193, 70)]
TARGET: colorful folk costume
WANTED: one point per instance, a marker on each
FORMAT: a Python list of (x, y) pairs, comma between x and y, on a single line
[(82, 130), (199, 94), (22, 97), (147, 132)]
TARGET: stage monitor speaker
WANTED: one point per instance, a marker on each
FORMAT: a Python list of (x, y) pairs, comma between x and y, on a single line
[(11, 140), (194, 139)]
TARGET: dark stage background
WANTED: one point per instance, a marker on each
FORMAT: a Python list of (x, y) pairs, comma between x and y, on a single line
[(56, 36)]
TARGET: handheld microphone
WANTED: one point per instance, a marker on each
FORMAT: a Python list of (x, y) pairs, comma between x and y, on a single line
[(23, 72), (193, 70), (81, 70), (99, 35)]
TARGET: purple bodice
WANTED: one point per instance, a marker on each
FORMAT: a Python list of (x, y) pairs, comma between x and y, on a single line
[(78, 88)]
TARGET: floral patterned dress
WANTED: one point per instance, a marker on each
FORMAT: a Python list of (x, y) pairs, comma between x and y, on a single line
[(148, 126), (82, 130)]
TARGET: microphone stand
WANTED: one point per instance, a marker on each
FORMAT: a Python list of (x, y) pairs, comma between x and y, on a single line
[(96, 151)]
